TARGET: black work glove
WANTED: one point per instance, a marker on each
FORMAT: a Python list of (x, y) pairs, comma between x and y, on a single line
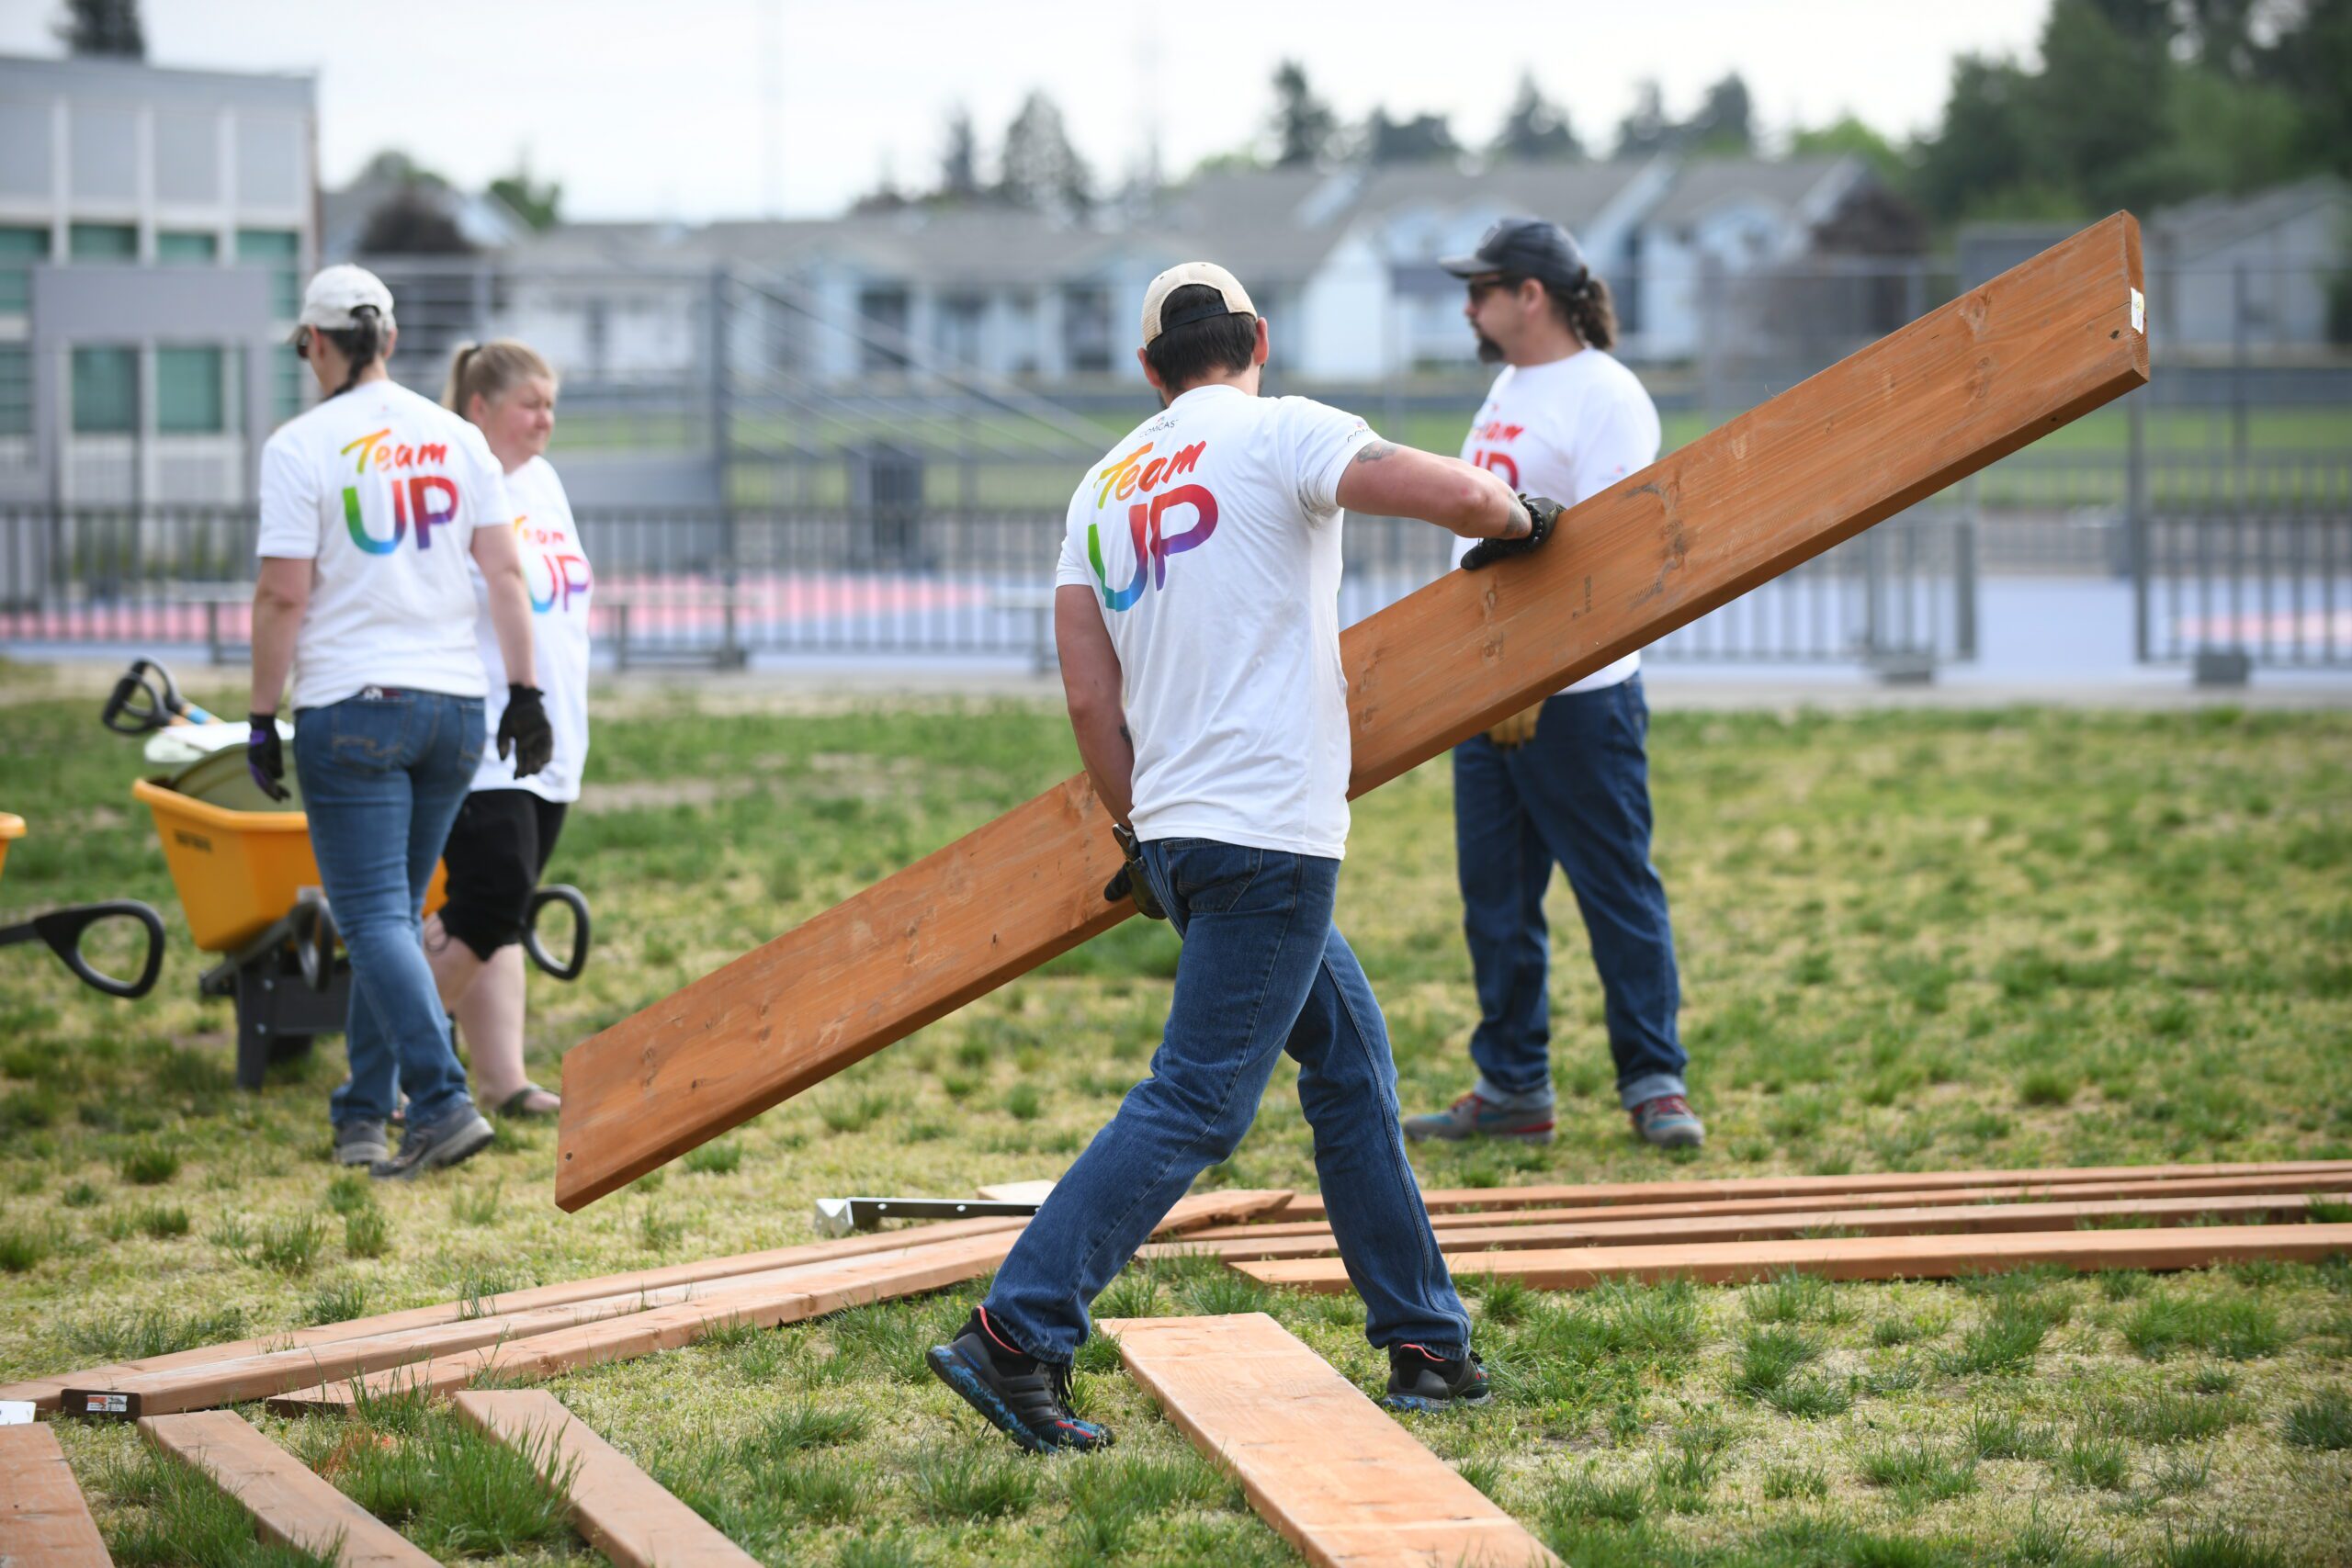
[(1542, 513), (1132, 882), (523, 730), (265, 755)]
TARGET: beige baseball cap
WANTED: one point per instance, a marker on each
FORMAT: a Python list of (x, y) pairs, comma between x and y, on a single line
[(337, 293), (1208, 274)]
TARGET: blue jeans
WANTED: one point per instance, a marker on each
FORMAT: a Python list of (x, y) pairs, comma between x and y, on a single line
[(1264, 971), (382, 778), (1577, 796)]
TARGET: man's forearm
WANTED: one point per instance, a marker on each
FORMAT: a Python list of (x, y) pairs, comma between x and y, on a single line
[(276, 622), (1109, 753)]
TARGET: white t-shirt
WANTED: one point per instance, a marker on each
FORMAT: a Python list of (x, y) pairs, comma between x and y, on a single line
[(381, 490), (1569, 430), (1210, 536), (556, 573)]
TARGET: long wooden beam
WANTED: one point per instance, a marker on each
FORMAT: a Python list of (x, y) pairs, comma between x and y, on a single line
[(44, 1392), (1341, 1480), (44, 1519), (1455, 1200), (1967, 1219), (290, 1504), (808, 1293), (1863, 1257), (2041, 344), (624, 1512)]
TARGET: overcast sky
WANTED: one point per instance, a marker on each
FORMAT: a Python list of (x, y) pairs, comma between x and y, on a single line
[(709, 108)]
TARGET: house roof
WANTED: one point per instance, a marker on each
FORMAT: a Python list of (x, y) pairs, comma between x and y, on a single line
[(2210, 222), (1703, 184)]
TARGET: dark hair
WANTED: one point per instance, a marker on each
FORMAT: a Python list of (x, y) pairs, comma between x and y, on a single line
[(360, 343), (1588, 311), (1218, 346)]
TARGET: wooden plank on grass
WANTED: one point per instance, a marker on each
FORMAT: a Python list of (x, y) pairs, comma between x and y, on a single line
[(2210, 1186), (1344, 1482), (1439, 1200), (45, 1391), (2044, 342), (1863, 1257), (263, 1371), (625, 1513), (1966, 1219), (807, 1294), (44, 1520), (290, 1504)]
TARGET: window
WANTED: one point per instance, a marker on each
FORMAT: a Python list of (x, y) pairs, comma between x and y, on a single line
[(190, 391), (187, 248), (884, 311), (15, 389), (20, 249), (106, 391), (1086, 329), (282, 251), (103, 242), (289, 375)]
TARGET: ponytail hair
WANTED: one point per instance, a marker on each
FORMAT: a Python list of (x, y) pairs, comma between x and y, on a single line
[(360, 343), (488, 371), (1588, 311)]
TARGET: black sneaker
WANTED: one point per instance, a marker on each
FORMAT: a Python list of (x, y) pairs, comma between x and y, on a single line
[(1026, 1399), (459, 1136), (1418, 1381)]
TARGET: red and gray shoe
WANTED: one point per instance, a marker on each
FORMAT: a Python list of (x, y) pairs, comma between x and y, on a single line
[(1024, 1398), (1669, 1122), (1420, 1381), (1476, 1116)]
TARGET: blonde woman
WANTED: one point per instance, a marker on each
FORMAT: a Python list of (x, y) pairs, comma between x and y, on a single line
[(507, 827)]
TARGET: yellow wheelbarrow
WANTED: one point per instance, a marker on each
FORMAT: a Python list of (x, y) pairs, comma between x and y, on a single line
[(66, 930), (250, 886)]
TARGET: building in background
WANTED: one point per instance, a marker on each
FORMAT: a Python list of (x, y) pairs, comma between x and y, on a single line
[(155, 229)]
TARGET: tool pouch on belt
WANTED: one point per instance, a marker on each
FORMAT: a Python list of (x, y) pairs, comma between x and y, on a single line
[(1132, 882)]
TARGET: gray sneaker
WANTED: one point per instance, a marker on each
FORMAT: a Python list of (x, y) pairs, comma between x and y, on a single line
[(1669, 1122), (459, 1135), (1475, 1116), (360, 1141)]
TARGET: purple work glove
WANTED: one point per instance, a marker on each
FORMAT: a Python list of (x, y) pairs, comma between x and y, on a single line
[(266, 756)]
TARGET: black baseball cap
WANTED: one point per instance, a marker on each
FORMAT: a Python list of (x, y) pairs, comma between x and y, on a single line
[(1528, 247)]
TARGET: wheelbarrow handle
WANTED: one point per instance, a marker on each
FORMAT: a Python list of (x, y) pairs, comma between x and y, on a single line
[(62, 930), (577, 902)]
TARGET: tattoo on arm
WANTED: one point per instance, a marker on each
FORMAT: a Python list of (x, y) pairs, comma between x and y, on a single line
[(1372, 454)]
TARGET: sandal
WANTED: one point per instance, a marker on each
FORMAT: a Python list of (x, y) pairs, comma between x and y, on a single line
[(518, 1106)]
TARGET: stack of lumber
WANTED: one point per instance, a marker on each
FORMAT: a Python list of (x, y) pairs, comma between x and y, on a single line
[(538, 1332), (1887, 1226)]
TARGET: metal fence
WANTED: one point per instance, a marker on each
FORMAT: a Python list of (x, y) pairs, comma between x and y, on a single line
[(726, 586)]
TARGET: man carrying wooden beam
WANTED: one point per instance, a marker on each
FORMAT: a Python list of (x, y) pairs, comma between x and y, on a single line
[(1566, 781), (1196, 613)]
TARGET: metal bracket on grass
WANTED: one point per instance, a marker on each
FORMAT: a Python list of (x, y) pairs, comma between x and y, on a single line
[(839, 1217)]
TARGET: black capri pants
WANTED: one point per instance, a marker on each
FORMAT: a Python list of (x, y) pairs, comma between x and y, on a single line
[(497, 849)]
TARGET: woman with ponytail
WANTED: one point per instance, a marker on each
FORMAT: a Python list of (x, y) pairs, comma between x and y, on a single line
[(377, 507), (507, 827)]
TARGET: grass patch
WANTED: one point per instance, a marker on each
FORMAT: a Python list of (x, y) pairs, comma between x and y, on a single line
[(2238, 1328), (2323, 1421), (1918, 1473), (720, 1157), (149, 1165), (137, 1335)]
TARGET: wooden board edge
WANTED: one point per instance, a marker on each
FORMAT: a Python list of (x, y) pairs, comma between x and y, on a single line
[(44, 1519)]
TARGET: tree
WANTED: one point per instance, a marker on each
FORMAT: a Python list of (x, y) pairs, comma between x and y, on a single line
[(1722, 125), (536, 205), (1042, 170), (2098, 109), (410, 222), (103, 27), (1645, 130), (1986, 142), (1851, 137), (1304, 126), (1535, 128), (959, 164), (1422, 139)]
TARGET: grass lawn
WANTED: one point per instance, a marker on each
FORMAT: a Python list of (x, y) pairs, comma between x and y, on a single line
[(1911, 941)]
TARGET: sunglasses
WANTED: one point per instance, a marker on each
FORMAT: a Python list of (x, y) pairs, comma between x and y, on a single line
[(1481, 286)]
